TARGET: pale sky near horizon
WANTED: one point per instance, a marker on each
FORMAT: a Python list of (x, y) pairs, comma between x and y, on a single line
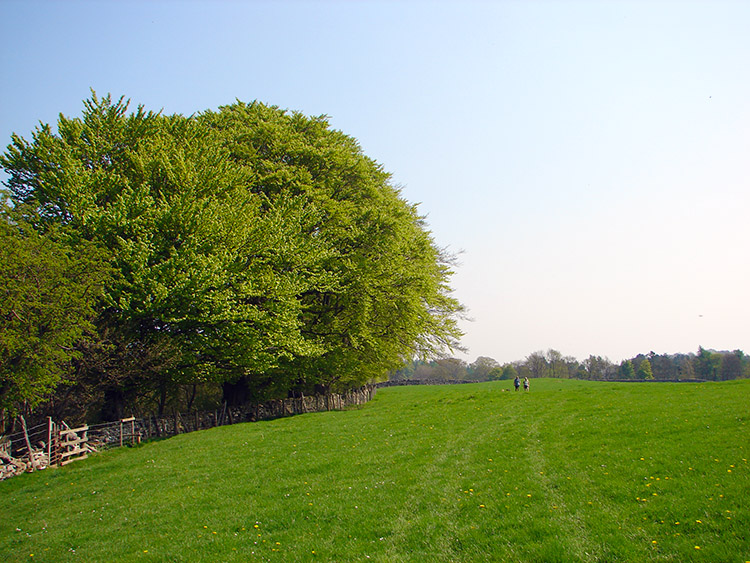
[(590, 160)]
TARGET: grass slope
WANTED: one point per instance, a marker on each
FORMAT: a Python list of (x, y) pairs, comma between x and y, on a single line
[(572, 471)]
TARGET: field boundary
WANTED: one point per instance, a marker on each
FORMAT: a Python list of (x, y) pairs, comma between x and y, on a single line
[(400, 382), (676, 380), (53, 444)]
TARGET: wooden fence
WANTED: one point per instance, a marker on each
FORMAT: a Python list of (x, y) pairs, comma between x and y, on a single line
[(53, 444), (71, 445)]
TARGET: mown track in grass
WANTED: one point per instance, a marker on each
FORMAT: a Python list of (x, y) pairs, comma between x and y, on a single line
[(572, 471)]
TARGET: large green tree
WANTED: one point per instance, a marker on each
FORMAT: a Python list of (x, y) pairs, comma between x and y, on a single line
[(208, 270), (252, 246), (384, 296)]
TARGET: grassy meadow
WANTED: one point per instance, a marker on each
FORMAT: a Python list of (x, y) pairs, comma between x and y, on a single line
[(571, 471)]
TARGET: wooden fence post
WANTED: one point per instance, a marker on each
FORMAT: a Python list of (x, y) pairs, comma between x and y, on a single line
[(131, 420), (28, 442), (49, 441), (55, 441)]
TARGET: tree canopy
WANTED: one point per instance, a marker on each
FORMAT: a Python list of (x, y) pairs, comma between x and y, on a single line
[(706, 365), (250, 245), (49, 285)]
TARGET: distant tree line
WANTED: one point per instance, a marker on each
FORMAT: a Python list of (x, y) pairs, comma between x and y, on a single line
[(155, 262), (706, 364)]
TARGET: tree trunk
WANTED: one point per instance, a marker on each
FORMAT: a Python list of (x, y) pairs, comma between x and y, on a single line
[(114, 404), (237, 393)]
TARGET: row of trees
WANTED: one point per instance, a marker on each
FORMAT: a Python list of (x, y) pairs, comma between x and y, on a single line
[(151, 261), (706, 364)]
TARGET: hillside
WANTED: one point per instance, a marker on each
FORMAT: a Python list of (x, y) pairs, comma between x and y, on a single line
[(571, 471)]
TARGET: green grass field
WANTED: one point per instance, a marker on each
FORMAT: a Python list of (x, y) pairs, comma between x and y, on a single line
[(572, 471)]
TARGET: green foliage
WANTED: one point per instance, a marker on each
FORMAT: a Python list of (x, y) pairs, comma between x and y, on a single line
[(509, 372), (251, 245), (49, 288), (484, 369), (708, 364), (572, 471), (644, 370), (380, 294)]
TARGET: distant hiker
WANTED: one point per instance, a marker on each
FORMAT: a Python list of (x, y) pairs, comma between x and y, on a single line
[(525, 383), (517, 382)]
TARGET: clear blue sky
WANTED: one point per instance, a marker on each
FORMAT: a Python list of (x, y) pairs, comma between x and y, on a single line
[(590, 159)]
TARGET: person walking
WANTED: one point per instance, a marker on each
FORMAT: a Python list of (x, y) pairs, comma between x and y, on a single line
[(525, 383), (517, 382)]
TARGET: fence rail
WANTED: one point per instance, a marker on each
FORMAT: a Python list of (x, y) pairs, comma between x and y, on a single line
[(54, 444)]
